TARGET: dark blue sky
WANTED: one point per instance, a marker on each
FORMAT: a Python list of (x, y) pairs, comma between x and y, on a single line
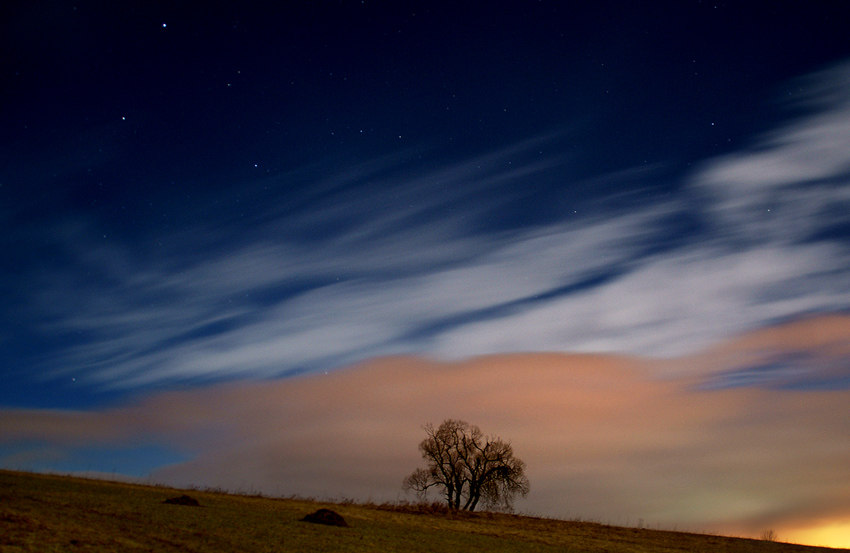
[(192, 194)]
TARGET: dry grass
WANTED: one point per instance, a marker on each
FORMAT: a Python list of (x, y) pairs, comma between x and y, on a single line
[(44, 513)]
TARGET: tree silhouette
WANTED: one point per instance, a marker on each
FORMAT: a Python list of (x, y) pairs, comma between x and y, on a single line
[(469, 467)]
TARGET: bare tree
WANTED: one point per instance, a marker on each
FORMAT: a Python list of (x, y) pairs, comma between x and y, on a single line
[(469, 467)]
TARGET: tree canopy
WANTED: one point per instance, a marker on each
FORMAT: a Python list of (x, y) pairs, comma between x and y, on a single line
[(468, 467)]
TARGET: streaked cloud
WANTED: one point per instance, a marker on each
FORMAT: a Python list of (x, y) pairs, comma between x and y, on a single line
[(401, 255)]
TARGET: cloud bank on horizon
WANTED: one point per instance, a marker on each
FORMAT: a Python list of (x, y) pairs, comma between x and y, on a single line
[(395, 256), (601, 438)]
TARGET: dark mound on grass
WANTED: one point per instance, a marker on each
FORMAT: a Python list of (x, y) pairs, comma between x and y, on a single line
[(327, 517), (183, 500)]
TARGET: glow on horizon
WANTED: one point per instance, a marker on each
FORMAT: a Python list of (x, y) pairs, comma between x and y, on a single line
[(832, 534)]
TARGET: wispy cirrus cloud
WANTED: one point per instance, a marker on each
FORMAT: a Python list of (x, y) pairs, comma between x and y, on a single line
[(395, 255), (774, 222)]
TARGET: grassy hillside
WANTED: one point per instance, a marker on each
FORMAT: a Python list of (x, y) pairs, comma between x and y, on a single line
[(46, 513)]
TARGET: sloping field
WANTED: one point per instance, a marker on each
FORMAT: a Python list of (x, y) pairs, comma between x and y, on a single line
[(44, 513)]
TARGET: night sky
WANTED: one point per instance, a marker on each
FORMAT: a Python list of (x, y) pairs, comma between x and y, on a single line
[(210, 213)]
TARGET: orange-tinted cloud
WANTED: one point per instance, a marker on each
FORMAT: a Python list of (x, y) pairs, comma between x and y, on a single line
[(603, 438)]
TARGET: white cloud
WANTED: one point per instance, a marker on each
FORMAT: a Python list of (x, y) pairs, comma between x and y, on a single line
[(672, 305), (758, 262), (401, 262), (783, 187)]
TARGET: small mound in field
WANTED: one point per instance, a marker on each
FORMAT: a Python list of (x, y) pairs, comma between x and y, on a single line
[(326, 516), (183, 500)]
